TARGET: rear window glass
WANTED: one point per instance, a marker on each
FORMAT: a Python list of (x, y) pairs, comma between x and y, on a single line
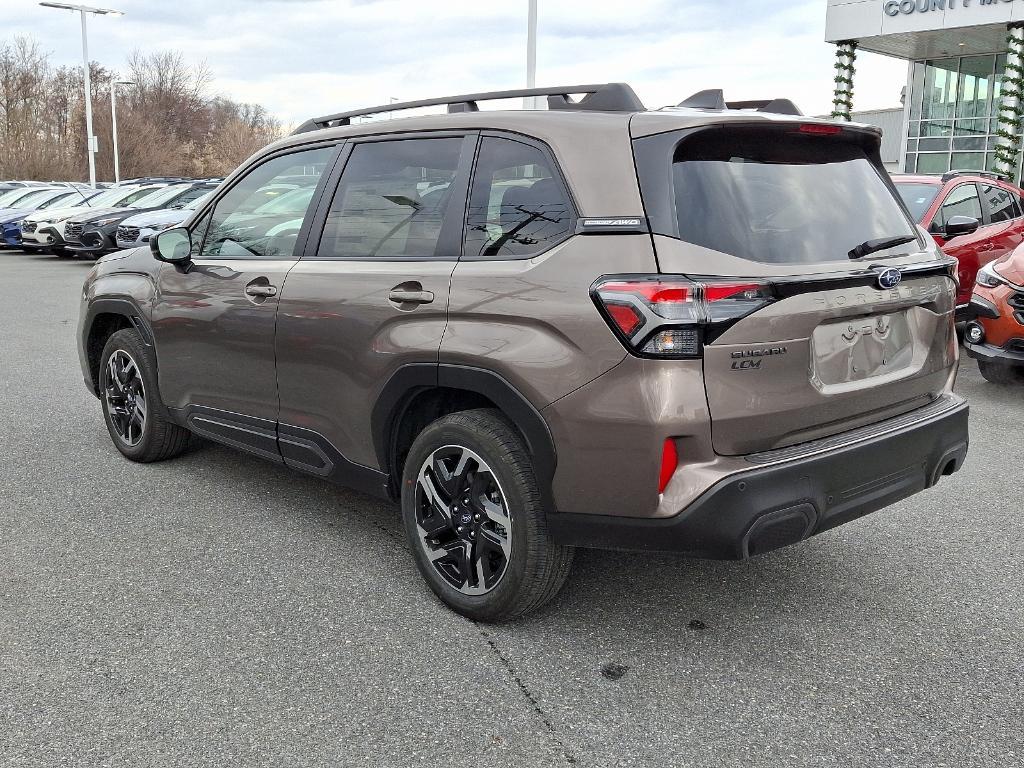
[(918, 197), (780, 198)]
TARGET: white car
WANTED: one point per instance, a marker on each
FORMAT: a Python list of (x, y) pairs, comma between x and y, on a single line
[(44, 230), (136, 230)]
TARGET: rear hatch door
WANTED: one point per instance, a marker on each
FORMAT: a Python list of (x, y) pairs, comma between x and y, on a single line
[(842, 342)]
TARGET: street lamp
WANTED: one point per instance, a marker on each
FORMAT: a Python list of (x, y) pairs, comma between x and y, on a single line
[(91, 144), (113, 124)]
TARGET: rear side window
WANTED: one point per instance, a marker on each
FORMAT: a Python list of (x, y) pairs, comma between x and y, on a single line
[(1002, 206), (392, 200), (961, 201), (772, 196), (518, 206)]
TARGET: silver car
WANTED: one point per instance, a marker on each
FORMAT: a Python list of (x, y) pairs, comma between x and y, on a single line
[(137, 230)]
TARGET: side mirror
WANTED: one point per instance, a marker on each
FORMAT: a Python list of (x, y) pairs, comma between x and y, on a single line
[(961, 225), (172, 245)]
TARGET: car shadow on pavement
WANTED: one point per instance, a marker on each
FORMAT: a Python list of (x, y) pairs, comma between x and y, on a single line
[(616, 588)]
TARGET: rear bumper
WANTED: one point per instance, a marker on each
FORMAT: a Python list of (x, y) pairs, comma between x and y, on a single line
[(792, 494)]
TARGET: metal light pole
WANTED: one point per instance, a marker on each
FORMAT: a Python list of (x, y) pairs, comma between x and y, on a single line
[(531, 52), (91, 144), (113, 125)]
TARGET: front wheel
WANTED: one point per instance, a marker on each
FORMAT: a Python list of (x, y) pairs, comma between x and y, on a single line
[(475, 521), (135, 416), (1001, 373)]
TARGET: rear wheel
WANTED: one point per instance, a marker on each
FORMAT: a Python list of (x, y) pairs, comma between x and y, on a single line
[(135, 416), (1001, 373), (475, 521)]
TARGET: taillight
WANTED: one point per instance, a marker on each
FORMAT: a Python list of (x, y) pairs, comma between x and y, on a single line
[(673, 317)]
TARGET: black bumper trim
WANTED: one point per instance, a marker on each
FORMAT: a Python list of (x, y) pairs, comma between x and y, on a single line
[(762, 509), (993, 354)]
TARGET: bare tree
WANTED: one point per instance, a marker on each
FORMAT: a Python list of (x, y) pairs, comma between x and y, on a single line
[(168, 123)]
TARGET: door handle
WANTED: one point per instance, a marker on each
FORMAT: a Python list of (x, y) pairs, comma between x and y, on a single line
[(260, 290), (409, 296)]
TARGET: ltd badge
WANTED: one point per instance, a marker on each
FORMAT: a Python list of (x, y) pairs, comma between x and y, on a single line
[(889, 278)]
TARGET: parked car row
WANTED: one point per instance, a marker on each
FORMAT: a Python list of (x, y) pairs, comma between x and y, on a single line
[(72, 221)]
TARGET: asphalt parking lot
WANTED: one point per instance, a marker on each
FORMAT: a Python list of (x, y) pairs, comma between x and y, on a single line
[(218, 610)]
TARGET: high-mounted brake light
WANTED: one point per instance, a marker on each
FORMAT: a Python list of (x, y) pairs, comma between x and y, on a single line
[(820, 130), (671, 317)]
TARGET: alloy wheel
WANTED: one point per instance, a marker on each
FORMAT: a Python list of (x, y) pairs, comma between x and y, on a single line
[(462, 519), (125, 396)]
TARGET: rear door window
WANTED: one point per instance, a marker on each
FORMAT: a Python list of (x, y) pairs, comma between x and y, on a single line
[(962, 200), (1002, 206), (392, 200), (518, 207), (773, 196)]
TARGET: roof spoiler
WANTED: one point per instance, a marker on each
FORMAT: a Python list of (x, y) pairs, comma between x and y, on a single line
[(714, 100), (606, 97)]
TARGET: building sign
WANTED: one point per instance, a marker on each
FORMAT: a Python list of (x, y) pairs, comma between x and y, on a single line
[(906, 7)]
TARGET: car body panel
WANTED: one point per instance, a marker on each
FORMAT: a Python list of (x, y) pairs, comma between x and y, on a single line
[(1004, 335)]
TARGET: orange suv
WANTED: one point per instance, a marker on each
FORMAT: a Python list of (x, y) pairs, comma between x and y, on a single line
[(995, 335)]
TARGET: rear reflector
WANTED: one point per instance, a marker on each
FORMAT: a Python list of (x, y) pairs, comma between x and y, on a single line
[(669, 462)]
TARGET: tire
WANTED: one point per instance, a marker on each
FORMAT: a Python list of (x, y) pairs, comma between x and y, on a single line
[(522, 568), (1001, 373), (154, 437)]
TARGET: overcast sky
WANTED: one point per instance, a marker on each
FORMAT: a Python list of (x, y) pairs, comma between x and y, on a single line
[(301, 58)]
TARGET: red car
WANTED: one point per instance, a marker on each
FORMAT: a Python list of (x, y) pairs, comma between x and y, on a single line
[(989, 213)]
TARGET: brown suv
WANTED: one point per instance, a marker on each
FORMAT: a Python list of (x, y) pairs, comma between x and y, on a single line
[(711, 329)]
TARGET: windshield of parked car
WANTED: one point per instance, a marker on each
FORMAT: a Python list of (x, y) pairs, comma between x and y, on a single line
[(32, 200), (112, 198), (917, 197), (162, 196), (781, 197), (147, 197), (16, 196), (191, 205)]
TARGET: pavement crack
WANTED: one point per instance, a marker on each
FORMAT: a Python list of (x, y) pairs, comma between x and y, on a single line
[(530, 698)]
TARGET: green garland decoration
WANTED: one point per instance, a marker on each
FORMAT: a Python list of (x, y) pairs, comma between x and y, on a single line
[(1011, 116), (846, 55)]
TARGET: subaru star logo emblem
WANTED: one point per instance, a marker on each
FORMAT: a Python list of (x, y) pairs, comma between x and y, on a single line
[(889, 278)]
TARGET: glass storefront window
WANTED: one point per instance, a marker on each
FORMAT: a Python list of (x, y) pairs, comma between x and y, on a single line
[(940, 89), (975, 95), (974, 161), (933, 162), (917, 88), (953, 113)]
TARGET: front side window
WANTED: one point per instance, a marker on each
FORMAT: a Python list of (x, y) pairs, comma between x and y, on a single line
[(1001, 204), (962, 201), (392, 200), (240, 229), (518, 206)]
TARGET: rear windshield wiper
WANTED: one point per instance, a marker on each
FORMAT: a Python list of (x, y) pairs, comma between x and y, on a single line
[(879, 244)]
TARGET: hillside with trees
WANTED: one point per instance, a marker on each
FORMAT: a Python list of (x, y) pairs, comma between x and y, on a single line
[(168, 121)]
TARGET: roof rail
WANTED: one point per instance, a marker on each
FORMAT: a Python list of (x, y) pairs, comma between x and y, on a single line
[(714, 99), (966, 172), (606, 97)]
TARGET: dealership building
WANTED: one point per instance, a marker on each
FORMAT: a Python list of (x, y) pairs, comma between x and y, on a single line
[(962, 106)]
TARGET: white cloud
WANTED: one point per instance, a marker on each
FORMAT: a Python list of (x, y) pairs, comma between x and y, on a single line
[(307, 57)]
